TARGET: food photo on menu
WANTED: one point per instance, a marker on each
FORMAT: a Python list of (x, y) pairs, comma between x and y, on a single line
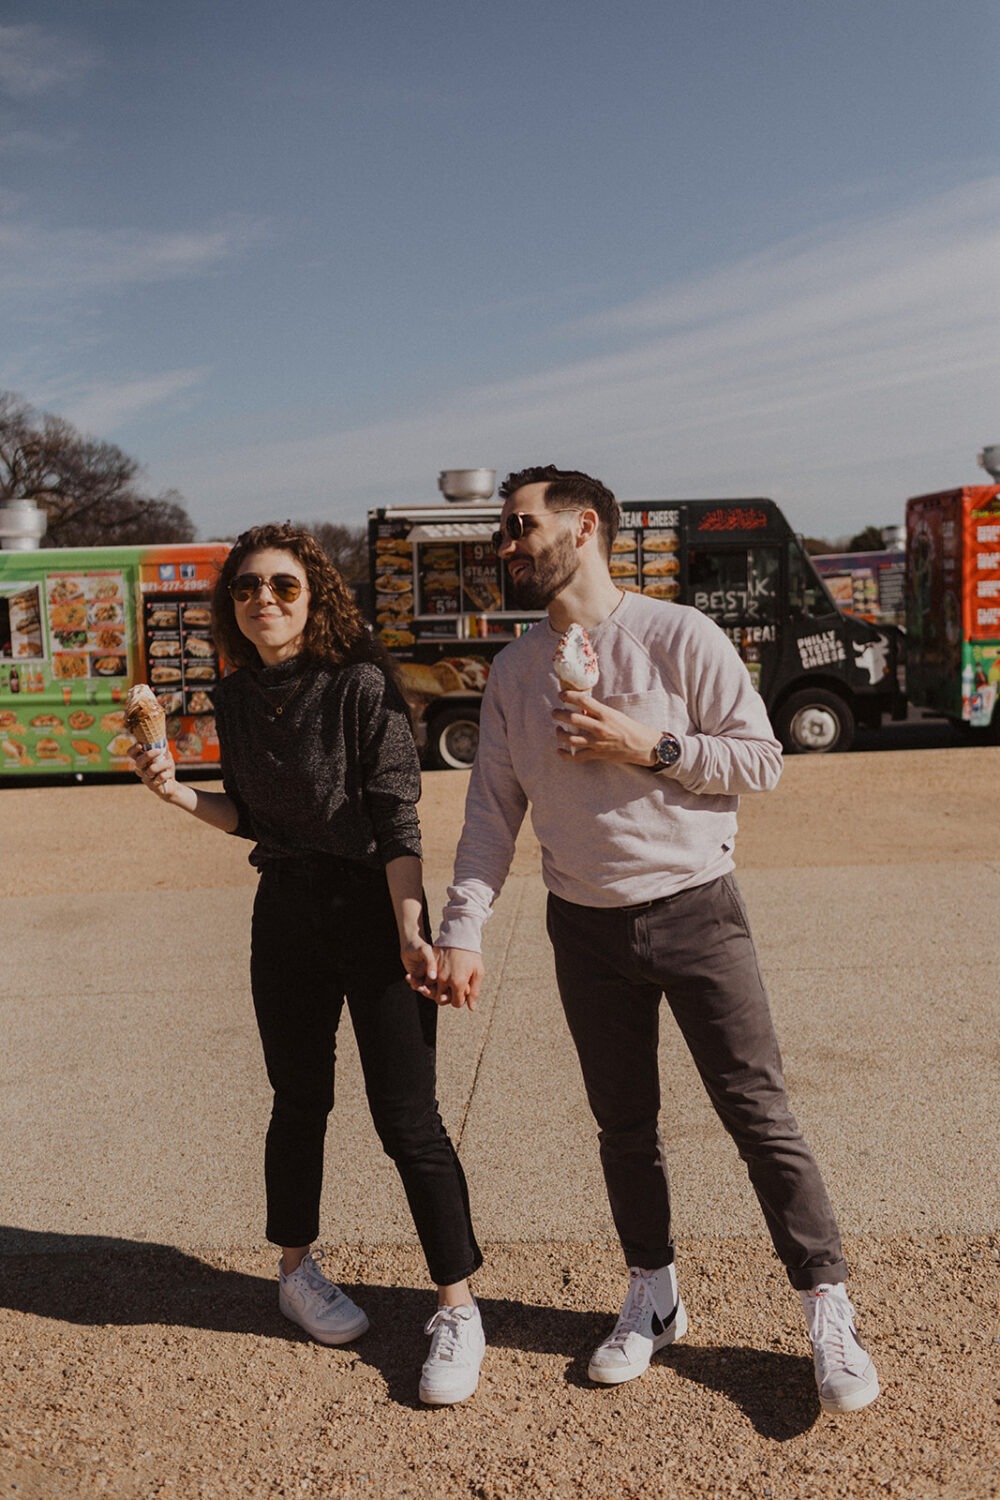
[(21, 624), (394, 591)]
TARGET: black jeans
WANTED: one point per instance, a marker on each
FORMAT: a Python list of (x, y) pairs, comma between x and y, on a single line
[(613, 966), (323, 932)]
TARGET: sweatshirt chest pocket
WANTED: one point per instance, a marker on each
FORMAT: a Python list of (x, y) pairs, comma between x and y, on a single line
[(657, 710)]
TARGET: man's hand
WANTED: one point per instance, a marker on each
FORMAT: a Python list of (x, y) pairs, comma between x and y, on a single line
[(459, 977), (588, 730), (420, 965)]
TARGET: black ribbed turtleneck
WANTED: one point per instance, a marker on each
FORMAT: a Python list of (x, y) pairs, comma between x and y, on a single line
[(335, 772)]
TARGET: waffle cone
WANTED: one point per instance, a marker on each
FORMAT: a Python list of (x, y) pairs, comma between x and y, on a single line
[(149, 728), (144, 717)]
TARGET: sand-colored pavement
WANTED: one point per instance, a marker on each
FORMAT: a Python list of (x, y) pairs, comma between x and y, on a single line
[(132, 1101)]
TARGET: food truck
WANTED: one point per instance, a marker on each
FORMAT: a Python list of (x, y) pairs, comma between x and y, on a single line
[(871, 585), (953, 604), (79, 626), (442, 603)]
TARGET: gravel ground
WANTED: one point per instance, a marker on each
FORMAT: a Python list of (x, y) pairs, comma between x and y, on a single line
[(142, 1370), (167, 1374)]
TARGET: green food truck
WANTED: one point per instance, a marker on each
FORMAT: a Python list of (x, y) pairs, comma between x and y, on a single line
[(78, 627)]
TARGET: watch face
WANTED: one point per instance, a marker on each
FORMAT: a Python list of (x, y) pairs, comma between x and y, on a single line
[(668, 750)]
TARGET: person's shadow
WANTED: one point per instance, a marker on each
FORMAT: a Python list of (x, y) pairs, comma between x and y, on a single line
[(776, 1392), (95, 1280)]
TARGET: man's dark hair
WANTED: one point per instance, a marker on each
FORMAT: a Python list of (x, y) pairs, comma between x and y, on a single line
[(566, 488)]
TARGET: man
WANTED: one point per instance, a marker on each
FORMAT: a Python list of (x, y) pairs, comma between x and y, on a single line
[(633, 792)]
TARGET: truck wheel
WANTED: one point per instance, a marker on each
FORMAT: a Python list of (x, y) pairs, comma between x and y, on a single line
[(814, 722), (453, 738)]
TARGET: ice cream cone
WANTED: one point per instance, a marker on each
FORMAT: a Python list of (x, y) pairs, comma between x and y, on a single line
[(144, 718), (575, 661)]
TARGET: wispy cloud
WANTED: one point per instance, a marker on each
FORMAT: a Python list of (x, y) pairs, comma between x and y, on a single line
[(840, 372), (103, 407), (34, 61), (39, 259)]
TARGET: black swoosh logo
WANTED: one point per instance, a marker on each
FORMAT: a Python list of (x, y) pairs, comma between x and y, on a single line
[(659, 1327)]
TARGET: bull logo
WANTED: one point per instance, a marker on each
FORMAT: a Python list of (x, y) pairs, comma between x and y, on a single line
[(873, 656)]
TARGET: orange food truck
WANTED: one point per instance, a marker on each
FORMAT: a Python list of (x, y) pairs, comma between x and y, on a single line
[(79, 626), (953, 605)]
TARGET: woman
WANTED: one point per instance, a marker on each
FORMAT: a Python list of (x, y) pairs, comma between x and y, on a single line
[(320, 771)]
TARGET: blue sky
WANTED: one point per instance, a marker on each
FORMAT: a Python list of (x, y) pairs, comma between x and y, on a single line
[(297, 259)]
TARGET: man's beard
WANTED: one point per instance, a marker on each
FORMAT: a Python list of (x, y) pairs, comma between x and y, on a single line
[(551, 571)]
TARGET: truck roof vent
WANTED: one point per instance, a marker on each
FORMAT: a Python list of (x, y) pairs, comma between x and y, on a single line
[(22, 525), (989, 460), (468, 486)]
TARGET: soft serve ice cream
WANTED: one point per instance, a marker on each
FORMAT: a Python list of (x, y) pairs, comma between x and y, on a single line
[(575, 661)]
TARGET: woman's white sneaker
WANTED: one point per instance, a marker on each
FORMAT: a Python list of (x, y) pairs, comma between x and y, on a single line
[(845, 1374), (310, 1299), (458, 1343), (652, 1317)]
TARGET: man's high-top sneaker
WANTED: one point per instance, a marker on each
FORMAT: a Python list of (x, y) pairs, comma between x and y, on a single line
[(652, 1316), (845, 1374)]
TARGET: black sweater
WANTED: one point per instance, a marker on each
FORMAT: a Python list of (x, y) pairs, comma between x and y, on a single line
[(336, 772)]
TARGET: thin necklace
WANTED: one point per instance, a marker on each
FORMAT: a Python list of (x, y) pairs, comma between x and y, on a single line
[(275, 710)]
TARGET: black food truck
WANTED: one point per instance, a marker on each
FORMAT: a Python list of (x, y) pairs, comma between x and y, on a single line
[(440, 603)]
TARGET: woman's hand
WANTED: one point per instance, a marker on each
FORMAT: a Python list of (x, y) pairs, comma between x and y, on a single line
[(419, 963), (589, 730), (157, 770)]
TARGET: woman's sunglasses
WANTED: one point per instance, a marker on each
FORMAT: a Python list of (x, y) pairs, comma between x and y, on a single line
[(519, 521), (284, 586)]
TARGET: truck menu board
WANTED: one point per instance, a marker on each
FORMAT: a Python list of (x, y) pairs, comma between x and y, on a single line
[(981, 616), (870, 585), (438, 580), (436, 577), (644, 557), (78, 627)]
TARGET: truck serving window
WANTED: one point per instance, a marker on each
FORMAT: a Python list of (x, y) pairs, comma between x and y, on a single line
[(735, 585), (807, 595)]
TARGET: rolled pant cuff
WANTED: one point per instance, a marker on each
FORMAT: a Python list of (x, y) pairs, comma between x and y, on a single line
[(809, 1277), (276, 1239), (449, 1280), (649, 1260)]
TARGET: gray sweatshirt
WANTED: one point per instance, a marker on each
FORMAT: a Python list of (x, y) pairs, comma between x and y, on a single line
[(613, 835)]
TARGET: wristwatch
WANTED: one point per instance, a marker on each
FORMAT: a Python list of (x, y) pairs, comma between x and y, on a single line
[(667, 751)]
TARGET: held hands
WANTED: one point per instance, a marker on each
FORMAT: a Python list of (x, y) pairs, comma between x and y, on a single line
[(420, 965), (589, 730), (455, 978)]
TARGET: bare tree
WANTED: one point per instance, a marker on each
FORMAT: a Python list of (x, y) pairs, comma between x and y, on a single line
[(345, 546), (91, 491), (868, 540)]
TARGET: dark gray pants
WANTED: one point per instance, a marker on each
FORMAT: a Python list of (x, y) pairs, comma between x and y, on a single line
[(613, 966)]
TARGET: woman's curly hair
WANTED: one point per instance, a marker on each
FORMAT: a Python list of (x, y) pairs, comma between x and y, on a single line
[(335, 631)]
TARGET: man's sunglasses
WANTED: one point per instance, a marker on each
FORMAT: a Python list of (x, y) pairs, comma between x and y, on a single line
[(519, 521), (284, 586)]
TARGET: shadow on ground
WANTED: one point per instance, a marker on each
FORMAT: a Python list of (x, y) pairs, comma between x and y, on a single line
[(102, 1281)]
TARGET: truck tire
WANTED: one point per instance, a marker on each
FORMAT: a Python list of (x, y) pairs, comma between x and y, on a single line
[(453, 738), (814, 722)]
